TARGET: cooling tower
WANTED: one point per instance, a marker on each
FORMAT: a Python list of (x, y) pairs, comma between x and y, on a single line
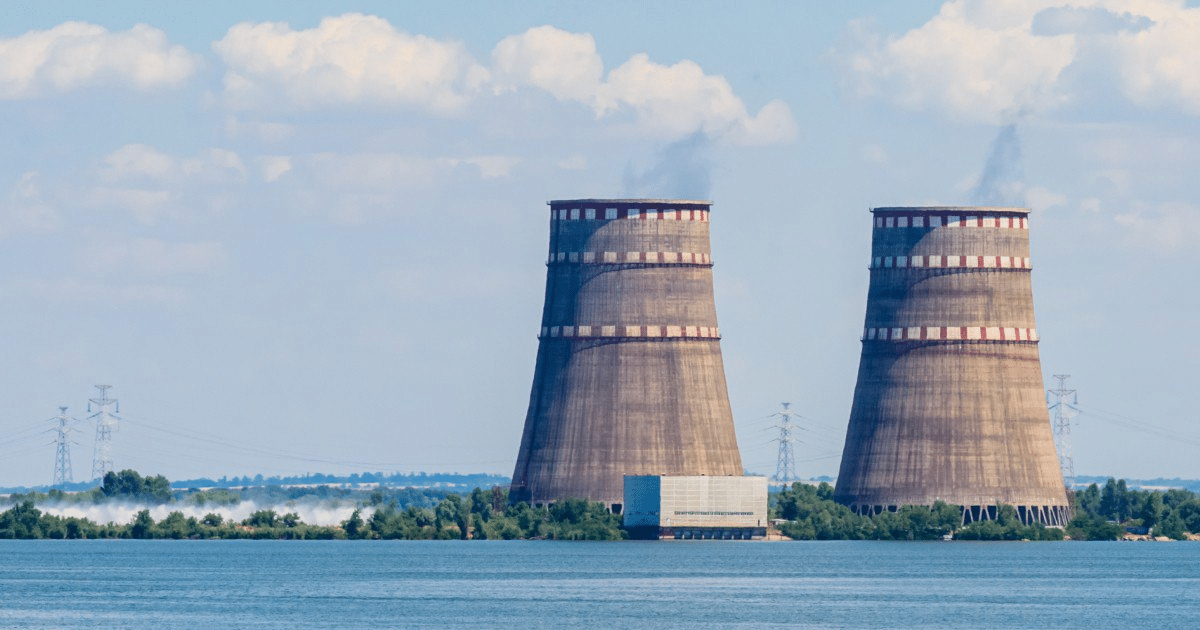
[(629, 378), (950, 403)]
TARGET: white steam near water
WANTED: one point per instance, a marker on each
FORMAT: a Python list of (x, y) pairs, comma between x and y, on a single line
[(311, 513)]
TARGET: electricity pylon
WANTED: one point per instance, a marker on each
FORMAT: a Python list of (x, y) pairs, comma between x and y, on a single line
[(1063, 412), (105, 422), (785, 466), (62, 455)]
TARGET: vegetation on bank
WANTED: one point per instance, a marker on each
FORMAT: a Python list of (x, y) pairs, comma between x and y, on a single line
[(1099, 514), (383, 514), (808, 511), (1171, 513), (812, 514)]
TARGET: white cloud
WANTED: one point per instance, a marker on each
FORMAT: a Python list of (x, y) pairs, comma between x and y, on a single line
[(1158, 65), (985, 61), (369, 171), (360, 59), (1040, 199), (24, 210), (264, 131), (975, 65), (577, 162), (142, 162), (562, 63), (94, 293), (153, 257), (147, 205), (351, 58), (670, 101), (137, 160), (73, 55), (273, 167), (352, 187), (493, 166), (393, 171), (874, 154), (1168, 228), (153, 185)]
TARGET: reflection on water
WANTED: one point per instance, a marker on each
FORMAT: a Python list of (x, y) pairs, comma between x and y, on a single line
[(709, 584)]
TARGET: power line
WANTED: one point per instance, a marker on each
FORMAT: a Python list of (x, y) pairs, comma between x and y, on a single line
[(1063, 412), (105, 422), (1139, 425), (785, 465), (62, 455)]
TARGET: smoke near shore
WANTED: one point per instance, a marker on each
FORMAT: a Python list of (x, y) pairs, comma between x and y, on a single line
[(310, 512)]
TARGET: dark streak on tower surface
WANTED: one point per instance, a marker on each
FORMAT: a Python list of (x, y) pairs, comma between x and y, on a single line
[(950, 400), (629, 376)]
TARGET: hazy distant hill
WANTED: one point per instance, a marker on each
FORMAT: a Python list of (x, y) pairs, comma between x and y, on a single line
[(449, 481), (1082, 481)]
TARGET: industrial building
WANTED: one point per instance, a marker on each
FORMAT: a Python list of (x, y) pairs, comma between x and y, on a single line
[(659, 506), (949, 403), (629, 377)]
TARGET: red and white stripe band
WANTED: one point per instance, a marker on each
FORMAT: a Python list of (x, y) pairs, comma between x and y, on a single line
[(951, 221), (641, 332), (970, 262), (612, 214), (956, 333), (685, 258)]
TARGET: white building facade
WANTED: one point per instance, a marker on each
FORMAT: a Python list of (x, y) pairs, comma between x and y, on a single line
[(658, 506)]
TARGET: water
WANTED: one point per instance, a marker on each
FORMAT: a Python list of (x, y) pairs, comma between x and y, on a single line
[(519, 584)]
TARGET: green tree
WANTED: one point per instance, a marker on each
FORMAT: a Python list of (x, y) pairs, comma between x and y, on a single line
[(261, 518), (129, 484), (21, 521), (1150, 509), (1088, 500), (1089, 527), (1171, 526), (354, 526), (142, 526), (1189, 511), (176, 526)]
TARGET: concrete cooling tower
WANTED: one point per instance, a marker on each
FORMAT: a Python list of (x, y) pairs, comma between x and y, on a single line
[(950, 401), (629, 378)]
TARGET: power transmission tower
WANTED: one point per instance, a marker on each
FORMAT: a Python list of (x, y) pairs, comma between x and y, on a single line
[(1063, 412), (62, 456), (105, 421), (785, 466)]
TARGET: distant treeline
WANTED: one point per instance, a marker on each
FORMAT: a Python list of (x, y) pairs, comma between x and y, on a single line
[(381, 513), (1158, 482), (418, 479), (129, 486), (1099, 514)]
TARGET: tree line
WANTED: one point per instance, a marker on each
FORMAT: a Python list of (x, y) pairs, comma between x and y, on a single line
[(808, 512), (384, 514), (1098, 514)]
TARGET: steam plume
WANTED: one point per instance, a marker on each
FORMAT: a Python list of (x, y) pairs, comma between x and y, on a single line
[(1000, 182), (682, 170)]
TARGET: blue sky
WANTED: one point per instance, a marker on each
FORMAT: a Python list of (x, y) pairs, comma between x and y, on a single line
[(311, 236)]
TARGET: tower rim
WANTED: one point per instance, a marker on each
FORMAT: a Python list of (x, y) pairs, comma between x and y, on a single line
[(991, 209), (675, 202)]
